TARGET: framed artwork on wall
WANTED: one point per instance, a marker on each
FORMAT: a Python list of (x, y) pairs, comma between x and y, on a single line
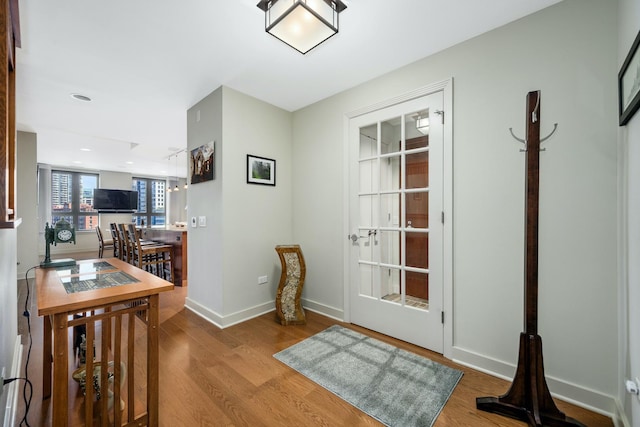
[(629, 84), (202, 164), (261, 170)]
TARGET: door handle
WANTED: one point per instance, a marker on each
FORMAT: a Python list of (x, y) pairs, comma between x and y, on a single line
[(354, 237)]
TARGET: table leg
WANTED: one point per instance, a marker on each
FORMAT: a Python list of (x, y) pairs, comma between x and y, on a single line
[(46, 357), (60, 369), (153, 361)]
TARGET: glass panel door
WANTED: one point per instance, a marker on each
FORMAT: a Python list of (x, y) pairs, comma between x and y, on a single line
[(395, 195)]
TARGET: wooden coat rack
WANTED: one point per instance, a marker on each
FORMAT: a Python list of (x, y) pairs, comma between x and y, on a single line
[(528, 398)]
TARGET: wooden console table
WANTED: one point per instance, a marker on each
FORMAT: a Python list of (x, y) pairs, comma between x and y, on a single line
[(112, 293)]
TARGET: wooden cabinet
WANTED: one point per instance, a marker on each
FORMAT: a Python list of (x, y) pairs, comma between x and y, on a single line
[(177, 239), (10, 30)]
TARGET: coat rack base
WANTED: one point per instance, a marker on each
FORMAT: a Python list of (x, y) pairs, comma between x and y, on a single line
[(528, 399)]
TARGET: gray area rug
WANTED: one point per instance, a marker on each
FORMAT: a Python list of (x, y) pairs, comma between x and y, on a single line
[(394, 386)]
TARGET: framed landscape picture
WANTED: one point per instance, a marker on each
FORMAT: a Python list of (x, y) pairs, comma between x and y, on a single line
[(261, 170), (202, 163)]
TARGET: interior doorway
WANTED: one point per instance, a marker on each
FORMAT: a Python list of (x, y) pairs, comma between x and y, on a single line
[(396, 206)]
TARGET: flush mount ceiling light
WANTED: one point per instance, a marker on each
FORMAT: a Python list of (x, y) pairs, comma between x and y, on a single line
[(302, 24), (422, 123)]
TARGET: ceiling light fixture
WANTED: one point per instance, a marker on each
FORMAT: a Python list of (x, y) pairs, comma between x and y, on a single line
[(302, 24), (176, 189), (422, 123), (169, 167)]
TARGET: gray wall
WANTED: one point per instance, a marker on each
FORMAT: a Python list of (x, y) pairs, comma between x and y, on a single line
[(629, 142), (205, 199), (9, 303), (244, 222), (17, 253), (27, 200), (568, 52)]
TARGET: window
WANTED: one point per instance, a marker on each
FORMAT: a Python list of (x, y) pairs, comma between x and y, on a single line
[(151, 202), (72, 199)]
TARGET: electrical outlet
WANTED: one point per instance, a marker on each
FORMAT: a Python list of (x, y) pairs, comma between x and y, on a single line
[(633, 387), (262, 280)]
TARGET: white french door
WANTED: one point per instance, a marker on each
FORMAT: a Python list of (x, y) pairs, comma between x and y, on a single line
[(395, 220)]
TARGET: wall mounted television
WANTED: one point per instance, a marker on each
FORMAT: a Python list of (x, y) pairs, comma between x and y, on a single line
[(115, 201)]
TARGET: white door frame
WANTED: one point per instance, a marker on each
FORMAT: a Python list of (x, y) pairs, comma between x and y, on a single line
[(446, 87)]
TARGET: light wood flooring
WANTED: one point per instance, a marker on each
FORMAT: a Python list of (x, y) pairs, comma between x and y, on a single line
[(215, 377)]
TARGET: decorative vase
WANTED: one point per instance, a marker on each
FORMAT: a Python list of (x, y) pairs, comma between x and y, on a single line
[(288, 307)]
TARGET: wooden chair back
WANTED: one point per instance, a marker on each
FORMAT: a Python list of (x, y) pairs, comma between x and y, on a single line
[(103, 244), (126, 248), (117, 243), (150, 256)]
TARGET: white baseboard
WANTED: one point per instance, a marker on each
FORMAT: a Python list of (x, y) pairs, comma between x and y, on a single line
[(224, 321), (620, 417), (325, 310), (561, 389), (12, 392)]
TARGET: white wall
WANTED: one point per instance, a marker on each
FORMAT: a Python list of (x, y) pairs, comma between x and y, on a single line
[(9, 301), (629, 140), (573, 62), (244, 222)]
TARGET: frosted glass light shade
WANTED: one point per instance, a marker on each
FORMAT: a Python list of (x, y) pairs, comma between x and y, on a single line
[(302, 24), (422, 124)]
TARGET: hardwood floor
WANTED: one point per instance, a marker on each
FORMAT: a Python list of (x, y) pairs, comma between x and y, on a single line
[(228, 377)]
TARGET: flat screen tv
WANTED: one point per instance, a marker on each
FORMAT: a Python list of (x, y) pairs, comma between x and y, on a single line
[(115, 201)]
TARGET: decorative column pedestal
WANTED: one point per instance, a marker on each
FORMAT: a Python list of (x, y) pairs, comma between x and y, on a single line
[(288, 307)]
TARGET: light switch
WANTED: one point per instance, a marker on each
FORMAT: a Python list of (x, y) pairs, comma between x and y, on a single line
[(194, 222), (202, 221)]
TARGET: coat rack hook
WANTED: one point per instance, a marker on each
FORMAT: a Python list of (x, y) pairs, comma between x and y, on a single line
[(555, 126), (518, 139)]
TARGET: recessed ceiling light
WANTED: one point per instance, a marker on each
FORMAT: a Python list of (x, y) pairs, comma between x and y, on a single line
[(129, 163), (85, 149), (80, 97), (77, 162)]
